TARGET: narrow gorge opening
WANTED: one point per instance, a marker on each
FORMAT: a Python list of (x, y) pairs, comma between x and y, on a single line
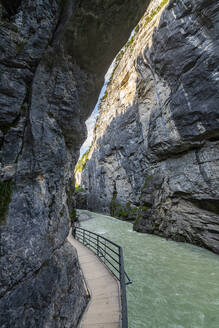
[(153, 161), (146, 126)]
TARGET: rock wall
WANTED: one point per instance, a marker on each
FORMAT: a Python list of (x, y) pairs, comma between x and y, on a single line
[(49, 81), (155, 153)]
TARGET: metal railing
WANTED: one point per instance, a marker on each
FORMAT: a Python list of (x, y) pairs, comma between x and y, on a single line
[(111, 255)]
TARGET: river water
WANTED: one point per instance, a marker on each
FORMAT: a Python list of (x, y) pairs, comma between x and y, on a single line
[(175, 285)]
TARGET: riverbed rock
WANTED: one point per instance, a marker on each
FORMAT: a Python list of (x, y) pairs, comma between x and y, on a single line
[(156, 142), (49, 82), (83, 216)]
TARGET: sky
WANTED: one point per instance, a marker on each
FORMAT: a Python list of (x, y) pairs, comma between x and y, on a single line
[(90, 123)]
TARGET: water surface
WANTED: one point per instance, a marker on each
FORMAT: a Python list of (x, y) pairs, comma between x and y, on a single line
[(175, 285)]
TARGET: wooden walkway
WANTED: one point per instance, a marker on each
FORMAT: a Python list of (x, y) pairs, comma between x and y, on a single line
[(104, 308)]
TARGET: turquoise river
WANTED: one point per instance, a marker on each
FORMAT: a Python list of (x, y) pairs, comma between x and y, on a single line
[(175, 285)]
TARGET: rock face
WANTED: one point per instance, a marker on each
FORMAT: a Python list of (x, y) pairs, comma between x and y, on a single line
[(155, 153), (48, 85), (81, 200)]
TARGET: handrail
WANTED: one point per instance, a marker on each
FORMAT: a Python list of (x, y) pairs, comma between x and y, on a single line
[(99, 245)]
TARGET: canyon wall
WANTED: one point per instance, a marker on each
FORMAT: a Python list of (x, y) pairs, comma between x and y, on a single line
[(53, 57), (155, 152)]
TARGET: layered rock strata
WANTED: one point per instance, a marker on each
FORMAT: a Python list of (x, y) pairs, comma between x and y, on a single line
[(155, 153), (53, 56)]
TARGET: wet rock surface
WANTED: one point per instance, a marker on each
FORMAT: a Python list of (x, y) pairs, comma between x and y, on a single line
[(83, 216), (46, 93), (155, 148), (81, 200)]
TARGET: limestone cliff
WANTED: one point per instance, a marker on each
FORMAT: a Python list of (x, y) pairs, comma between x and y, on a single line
[(53, 57), (155, 153)]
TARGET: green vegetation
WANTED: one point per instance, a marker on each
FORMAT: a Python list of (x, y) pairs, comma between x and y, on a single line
[(99, 107), (96, 126), (154, 12), (20, 46), (73, 216), (147, 179), (114, 195), (129, 42), (113, 203), (105, 95), (24, 107), (138, 217), (128, 204), (137, 27), (78, 189), (113, 206), (133, 210), (70, 203), (120, 211), (125, 211), (5, 198), (14, 28), (61, 3), (147, 183), (140, 213), (117, 61), (82, 162)]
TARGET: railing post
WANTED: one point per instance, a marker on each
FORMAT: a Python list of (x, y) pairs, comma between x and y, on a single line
[(123, 290), (98, 246), (83, 237), (74, 232)]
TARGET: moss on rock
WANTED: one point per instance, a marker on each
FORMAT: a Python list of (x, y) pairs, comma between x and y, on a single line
[(73, 216), (5, 198), (125, 212), (78, 189)]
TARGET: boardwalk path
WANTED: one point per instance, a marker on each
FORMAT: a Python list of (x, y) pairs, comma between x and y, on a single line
[(104, 310)]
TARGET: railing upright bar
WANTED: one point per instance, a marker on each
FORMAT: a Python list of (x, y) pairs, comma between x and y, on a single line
[(123, 290), (105, 253), (97, 245)]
